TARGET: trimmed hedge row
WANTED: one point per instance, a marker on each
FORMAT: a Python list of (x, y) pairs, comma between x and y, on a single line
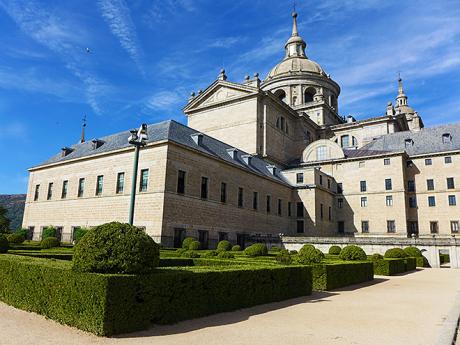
[(336, 275), (107, 304), (389, 267), (411, 264)]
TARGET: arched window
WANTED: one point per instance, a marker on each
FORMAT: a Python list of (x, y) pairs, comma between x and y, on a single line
[(281, 95), (309, 95)]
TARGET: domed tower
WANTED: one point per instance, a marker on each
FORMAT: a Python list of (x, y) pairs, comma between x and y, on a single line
[(302, 83)]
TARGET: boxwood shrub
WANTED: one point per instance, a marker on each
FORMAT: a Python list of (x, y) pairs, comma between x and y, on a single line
[(224, 245), (257, 249), (49, 242), (79, 233), (49, 231), (413, 252), (190, 254), (422, 262), (225, 255), (236, 248), (4, 245), (395, 253), (116, 248), (389, 267), (352, 253), (186, 242), (194, 245), (15, 238), (283, 257), (108, 304), (308, 255), (335, 250), (411, 264), (336, 275)]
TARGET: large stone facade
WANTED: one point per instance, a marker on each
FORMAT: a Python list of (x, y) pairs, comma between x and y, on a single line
[(259, 159)]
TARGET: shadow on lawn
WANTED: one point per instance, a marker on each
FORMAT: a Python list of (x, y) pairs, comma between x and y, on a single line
[(227, 317)]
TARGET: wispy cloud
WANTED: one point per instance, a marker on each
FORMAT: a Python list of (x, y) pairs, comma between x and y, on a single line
[(117, 15), (164, 100), (159, 10), (56, 34)]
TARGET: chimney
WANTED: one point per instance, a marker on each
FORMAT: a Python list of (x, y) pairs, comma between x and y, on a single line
[(198, 138), (233, 152), (65, 151)]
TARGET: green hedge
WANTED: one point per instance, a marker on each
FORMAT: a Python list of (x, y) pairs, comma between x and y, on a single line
[(411, 264), (422, 262), (389, 267), (444, 258), (336, 275), (107, 304)]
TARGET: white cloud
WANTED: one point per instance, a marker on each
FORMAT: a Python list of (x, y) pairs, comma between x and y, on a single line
[(164, 100), (117, 15)]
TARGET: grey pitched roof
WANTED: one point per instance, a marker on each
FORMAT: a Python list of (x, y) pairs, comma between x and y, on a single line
[(363, 153), (427, 140), (172, 131)]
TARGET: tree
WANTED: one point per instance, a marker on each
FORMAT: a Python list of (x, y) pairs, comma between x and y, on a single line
[(4, 221)]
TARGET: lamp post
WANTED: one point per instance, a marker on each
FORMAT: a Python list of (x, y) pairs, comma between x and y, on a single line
[(137, 139)]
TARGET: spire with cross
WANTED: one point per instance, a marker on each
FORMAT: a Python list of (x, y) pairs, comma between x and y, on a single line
[(83, 126)]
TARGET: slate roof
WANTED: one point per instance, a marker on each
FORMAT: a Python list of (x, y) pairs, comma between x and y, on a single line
[(427, 140), (363, 153), (172, 131)]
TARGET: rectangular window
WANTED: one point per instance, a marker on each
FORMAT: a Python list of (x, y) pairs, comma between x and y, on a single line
[(203, 238), (255, 200), (120, 182), (223, 192), (340, 203), (300, 209), (450, 183), (454, 226), (144, 180), (345, 141), (363, 201), (434, 229), (391, 226), (330, 213), (412, 202), (386, 161), (240, 197), (280, 207), (339, 188), (363, 186), (269, 203), (300, 226), (179, 236), (341, 227), (299, 177), (81, 187), (328, 184), (430, 184), (204, 188), (65, 185), (388, 184), (289, 209), (431, 201), (37, 192), (411, 186), (321, 211), (321, 180), (428, 161), (50, 191), (321, 153), (223, 236), (389, 200), (99, 185), (452, 200), (448, 160), (365, 226), (180, 182)]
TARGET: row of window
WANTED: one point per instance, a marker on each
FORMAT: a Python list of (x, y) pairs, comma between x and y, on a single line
[(450, 184), (300, 180), (452, 200), (434, 226), (119, 188)]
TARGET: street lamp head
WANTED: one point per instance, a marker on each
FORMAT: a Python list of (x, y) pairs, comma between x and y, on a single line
[(133, 137), (142, 133)]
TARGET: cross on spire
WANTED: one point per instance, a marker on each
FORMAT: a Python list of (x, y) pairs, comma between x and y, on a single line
[(83, 126)]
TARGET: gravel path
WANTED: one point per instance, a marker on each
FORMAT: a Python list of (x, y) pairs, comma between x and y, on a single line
[(407, 309)]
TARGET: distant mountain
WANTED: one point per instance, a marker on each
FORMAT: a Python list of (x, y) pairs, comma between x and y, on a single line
[(14, 203)]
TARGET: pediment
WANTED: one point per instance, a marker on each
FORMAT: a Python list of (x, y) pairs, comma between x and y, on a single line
[(221, 92)]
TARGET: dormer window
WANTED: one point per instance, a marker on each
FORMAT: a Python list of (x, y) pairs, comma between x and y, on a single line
[(446, 138), (65, 151), (96, 143), (198, 138), (408, 143)]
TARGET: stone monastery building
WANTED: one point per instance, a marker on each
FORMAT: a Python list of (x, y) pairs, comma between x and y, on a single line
[(259, 159)]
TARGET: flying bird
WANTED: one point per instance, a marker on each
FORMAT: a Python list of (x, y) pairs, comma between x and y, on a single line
[(88, 50)]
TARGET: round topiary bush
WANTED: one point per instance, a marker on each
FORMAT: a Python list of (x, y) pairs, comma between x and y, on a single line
[(395, 253), (376, 257), (352, 253), (190, 254), (413, 252), (224, 245), (186, 242), (335, 250), (283, 257), (116, 248), (236, 248), (308, 255), (49, 242), (4, 245), (15, 238), (257, 249), (194, 245), (225, 255)]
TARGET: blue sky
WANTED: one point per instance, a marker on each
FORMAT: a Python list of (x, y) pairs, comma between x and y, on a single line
[(147, 56)]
